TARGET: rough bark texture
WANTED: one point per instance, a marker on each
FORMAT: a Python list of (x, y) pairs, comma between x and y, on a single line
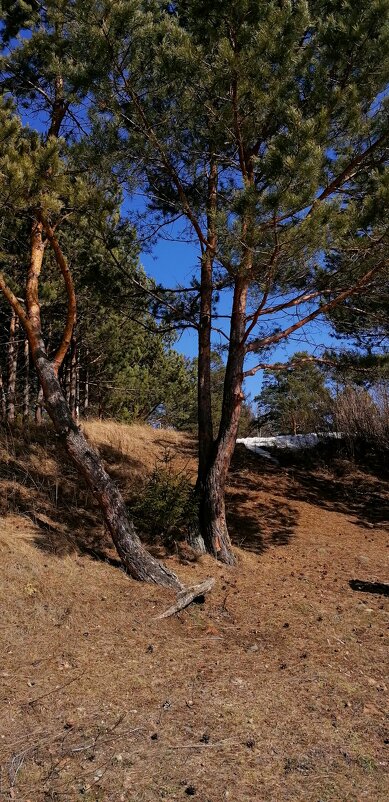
[(73, 377), (12, 368), (138, 562), (26, 388), (77, 407), (39, 406), (86, 385), (3, 400)]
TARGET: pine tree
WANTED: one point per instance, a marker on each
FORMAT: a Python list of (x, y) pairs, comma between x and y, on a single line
[(294, 398), (39, 185), (261, 126), (256, 123)]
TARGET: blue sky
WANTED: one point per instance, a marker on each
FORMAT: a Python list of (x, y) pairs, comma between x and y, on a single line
[(171, 262)]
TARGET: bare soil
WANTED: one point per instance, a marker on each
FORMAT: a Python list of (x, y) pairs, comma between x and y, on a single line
[(275, 689)]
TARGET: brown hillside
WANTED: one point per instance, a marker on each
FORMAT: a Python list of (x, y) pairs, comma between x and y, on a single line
[(274, 690)]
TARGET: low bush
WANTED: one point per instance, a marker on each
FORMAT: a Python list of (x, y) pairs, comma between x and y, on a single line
[(166, 503)]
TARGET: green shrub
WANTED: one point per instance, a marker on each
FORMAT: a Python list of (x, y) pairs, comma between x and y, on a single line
[(167, 502)]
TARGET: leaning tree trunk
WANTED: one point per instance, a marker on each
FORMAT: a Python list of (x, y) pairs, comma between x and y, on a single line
[(136, 559), (138, 562)]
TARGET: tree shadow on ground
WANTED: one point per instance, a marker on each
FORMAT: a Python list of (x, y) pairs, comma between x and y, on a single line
[(331, 481), (256, 522), (39, 482)]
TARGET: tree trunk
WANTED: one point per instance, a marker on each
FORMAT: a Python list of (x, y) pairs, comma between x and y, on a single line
[(77, 404), (3, 400), (204, 395), (86, 385), (39, 406), (26, 390), (12, 367), (204, 402), (73, 377), (212, 507), (67, 377), (137, 561)]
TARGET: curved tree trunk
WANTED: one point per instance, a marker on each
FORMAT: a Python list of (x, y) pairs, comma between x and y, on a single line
[(136, 559)]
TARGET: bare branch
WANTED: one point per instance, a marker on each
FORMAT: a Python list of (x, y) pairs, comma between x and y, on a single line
[(275, 338)]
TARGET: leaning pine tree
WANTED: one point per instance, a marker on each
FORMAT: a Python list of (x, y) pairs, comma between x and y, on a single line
[(42, 189), (252, 122)]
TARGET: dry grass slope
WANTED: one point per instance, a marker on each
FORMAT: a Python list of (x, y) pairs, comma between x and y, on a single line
[(275, 690)]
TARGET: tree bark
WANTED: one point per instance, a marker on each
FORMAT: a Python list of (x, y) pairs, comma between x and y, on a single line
[(77, 400), (12, 367), (204, 395), (86, 385), (212, 509), (73, 377), (137, 561), (26, 389), (3, 400), (39, 406), (67, 377)]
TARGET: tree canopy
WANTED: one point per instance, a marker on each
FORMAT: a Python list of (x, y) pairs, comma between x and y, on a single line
[(259, 130)]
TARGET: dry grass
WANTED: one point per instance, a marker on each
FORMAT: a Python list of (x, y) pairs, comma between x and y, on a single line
[(273, 691)]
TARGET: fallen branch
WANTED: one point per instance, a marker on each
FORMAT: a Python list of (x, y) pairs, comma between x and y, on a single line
[(187, 596)]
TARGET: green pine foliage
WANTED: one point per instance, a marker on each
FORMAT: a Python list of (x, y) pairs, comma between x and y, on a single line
[(294, 398), (166, 503)]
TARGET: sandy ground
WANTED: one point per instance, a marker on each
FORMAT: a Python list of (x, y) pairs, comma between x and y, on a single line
[(275, 689)]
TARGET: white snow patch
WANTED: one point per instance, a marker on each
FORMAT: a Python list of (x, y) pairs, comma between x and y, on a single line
[(288, 441)]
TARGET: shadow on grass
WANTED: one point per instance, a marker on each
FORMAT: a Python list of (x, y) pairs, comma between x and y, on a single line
[(38, 481)]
